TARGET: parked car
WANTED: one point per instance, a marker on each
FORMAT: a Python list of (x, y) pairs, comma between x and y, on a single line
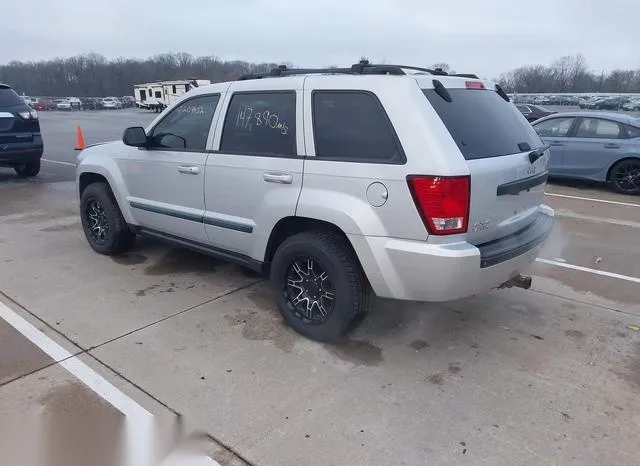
[(75, 102), (111, 103), (21, 143), (128, 100), (594, 146), (417, 173), (632, 106), (608, 103), (63, 104), (91, 103), (534, 112), (39, 104)]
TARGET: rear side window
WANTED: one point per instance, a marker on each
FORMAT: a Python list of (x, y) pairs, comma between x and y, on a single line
[(260, 123), (353, 126), (9, 98), (186, 127), (633, 132), (598, 129), (482, 123)]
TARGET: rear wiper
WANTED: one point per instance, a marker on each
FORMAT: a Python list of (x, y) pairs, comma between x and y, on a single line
[(536, 154)]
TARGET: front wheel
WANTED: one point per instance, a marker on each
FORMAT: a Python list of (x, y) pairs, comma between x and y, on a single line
[(29, 169), (625, 176), (319, 286), (102, 222)]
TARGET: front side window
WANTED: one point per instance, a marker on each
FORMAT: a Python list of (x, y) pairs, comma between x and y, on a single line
[(599, 129), (187, 126), (353, 126), (260, 123), (554, 128)]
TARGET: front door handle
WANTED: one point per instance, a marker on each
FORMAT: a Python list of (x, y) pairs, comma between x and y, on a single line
[(282, 178), (188, 170), (612, 146), (555, 143)]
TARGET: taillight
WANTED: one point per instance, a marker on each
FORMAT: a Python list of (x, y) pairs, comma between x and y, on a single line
[(28, 115), (443, 202)]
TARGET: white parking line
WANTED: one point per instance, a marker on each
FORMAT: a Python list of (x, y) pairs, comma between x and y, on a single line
[(588, 270), (139, 422), (69, 164), (628, 204), (595, 219)]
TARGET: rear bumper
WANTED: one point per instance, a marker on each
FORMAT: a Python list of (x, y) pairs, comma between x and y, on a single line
[(18, 154), (420, 271)]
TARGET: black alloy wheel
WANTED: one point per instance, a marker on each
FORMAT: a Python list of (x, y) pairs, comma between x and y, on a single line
[(309, 291), (97, 222), (625, 176)]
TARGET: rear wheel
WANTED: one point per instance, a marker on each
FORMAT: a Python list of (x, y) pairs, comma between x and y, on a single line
[(102, 222), (319, 286), (29, 169), (625, 176)]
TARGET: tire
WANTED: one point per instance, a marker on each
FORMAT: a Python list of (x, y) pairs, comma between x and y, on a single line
[(624, 176), (99, 209), (29, 169), (331, 255)]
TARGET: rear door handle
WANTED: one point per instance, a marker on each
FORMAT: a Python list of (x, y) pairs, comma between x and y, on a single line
[(282, 178), (188, 170), (612, 146)]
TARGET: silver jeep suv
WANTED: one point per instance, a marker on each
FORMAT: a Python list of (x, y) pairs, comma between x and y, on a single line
[(413, 183)]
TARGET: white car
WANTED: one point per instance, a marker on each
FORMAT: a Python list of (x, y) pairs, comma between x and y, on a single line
[(632, 106), (111, 103), (63, 104), (75, 102)]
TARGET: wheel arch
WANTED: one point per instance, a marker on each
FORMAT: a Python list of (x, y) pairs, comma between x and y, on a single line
[(292, 225), (622, 159), (98, 174)]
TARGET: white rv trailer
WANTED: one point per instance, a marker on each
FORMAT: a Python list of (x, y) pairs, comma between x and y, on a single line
[(159, 95)]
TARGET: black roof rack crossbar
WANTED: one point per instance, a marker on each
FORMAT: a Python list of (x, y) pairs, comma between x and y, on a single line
[(363, 67)]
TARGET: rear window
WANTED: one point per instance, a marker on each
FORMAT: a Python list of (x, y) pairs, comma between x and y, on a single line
[(9, 98), (482, 123)]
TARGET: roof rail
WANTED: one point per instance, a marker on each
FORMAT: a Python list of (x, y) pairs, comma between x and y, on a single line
[(362, 67)]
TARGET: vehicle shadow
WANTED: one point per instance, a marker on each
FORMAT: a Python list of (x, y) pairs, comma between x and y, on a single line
[(580, 184)]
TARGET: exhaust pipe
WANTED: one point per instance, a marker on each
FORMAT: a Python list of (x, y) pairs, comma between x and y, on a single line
[(519, 281)]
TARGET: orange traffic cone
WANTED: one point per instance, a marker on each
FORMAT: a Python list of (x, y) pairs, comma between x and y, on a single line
[(79, 138)]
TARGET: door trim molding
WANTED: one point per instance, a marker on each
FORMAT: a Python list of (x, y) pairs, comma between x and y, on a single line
[(165, 211), (204, 218), (228, 224)]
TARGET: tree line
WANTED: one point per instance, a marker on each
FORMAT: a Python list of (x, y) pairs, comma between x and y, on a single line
[(94, 75), (569, 74)]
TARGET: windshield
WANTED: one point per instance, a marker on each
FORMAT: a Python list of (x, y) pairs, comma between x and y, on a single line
[(9, 98), (482, 123)]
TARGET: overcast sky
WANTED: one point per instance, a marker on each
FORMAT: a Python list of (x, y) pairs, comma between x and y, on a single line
[(483, 36)]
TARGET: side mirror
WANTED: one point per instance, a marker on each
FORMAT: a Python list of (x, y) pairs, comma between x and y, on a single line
[(135, 137)]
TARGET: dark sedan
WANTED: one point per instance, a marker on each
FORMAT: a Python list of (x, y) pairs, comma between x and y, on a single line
[(602, 146), (534, 112)]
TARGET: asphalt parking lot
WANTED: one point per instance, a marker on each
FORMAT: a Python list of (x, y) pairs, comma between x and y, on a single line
[(549, 375)]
